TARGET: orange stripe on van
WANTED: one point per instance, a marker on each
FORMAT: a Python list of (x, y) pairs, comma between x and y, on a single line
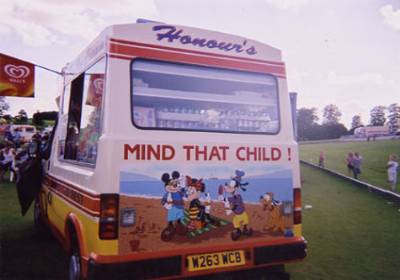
[(86, 201)]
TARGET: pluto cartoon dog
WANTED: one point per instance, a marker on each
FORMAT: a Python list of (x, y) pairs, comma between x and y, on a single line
[(275, 221)]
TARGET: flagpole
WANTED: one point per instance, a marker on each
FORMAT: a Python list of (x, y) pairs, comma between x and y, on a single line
[(48, 69)]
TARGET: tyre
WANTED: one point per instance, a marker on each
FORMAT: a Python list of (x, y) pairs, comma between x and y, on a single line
[(74, 268), (37, 216)]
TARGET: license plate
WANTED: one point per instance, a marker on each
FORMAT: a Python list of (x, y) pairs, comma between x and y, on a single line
[(215, 260)]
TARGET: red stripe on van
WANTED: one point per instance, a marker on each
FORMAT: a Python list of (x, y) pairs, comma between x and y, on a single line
[(194, 52), (86, 201), (129, 52)]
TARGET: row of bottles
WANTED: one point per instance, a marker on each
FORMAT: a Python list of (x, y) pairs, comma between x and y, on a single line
[(238, 125), (225, 113), (206, 119)]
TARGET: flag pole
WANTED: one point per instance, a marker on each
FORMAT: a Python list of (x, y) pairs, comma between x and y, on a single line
[(48, 69)]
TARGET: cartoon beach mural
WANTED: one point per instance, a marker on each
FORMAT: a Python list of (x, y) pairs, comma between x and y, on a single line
[(185, 206)]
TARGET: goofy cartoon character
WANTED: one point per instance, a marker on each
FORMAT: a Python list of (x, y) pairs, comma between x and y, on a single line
[(234, 204), (173, 202)]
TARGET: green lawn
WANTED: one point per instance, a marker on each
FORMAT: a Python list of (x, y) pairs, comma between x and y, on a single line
[(352, 234), (25, 254), (375, 156)]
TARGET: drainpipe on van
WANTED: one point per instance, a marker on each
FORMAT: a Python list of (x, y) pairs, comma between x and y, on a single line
[(293, 105)]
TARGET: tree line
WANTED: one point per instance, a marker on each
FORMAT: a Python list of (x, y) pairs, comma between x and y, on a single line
[(21, 117), (309, 129)]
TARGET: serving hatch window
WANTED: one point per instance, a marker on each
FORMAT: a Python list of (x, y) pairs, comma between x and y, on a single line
[(175, 96), (84, 108)]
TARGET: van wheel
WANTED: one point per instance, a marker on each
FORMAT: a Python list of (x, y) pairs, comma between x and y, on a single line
[(37, 217), (74, 269)]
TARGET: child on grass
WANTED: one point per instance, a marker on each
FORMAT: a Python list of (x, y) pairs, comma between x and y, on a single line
[(392, 166)]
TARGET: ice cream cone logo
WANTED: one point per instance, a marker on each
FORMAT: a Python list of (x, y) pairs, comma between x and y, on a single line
[(16, 72), (95, 92), (17, 77), (98, 85)]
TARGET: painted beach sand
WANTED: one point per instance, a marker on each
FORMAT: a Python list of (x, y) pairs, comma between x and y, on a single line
[(151, 220)]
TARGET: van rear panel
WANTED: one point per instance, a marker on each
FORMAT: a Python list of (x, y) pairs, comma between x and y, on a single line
[(185, 149), (221, 211)]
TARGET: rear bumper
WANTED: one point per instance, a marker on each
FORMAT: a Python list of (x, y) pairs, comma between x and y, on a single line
[(175, 266)]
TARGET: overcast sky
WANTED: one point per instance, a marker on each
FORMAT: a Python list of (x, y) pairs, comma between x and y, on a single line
[(345, 52)]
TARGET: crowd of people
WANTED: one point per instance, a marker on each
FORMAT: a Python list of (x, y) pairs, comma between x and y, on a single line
[(354, 162), (14, 152)]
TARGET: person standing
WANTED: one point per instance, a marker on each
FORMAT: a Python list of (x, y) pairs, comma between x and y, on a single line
[(8, 158), (17, 138), (392, 166), (321, 160), (357, 161), (349, 162)]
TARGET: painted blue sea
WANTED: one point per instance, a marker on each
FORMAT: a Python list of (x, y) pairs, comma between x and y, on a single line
[(280, 187)]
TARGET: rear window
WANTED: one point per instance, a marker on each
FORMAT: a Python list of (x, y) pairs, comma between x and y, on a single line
[(176, 96)]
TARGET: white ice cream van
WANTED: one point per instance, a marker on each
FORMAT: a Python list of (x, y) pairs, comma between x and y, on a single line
[(174, 156)]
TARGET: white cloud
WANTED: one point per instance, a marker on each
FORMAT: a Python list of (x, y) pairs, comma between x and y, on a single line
[(287, 4), (44, 22), (357, 79), (391, 16)]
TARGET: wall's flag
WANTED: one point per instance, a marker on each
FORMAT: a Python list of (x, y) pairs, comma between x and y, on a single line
[(95, 91), (17, 77)]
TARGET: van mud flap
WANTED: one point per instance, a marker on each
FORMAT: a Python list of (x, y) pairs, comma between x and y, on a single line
[(29, 183)]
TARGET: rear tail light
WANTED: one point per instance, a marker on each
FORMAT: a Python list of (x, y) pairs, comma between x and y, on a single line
[(108, 228), (297, 217), (297, 206)]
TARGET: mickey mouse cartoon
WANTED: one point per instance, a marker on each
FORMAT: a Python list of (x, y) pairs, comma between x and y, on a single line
[(173, 202)]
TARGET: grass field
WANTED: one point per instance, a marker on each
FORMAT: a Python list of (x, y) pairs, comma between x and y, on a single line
[(352, 234), (25, 254), (375, 156)]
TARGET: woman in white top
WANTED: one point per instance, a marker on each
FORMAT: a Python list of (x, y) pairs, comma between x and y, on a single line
[(392, 166)]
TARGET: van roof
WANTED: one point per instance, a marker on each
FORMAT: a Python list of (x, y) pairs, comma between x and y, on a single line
[(172, 37)]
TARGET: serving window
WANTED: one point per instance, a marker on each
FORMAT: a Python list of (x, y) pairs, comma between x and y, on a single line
[(85, 94), (176, 96)]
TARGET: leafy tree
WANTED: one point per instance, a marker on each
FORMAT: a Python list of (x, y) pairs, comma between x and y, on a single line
[(306, 122), (4, 106), (37, 119), (333, 130), (394, 118), (21, 117), (377, 115), (331, 114), (355, 123), (309, 129), (7, 117)]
